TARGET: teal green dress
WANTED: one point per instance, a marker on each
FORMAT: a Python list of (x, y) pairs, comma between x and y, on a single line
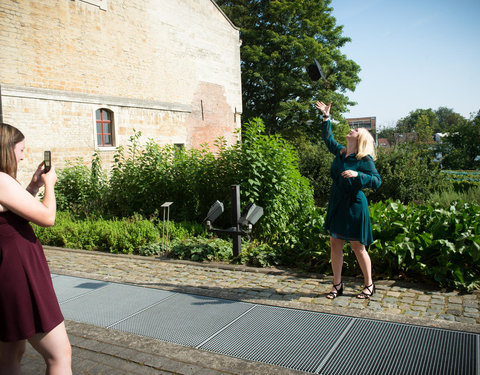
[(348, 217)]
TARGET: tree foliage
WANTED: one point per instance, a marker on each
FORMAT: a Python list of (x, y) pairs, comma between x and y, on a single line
[(461, 146), (279, 40), (426, 122)]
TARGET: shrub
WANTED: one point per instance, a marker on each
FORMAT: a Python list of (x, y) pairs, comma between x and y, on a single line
[(115, 236), (142, 179), (199, 249), (408, 174), (80, 189)]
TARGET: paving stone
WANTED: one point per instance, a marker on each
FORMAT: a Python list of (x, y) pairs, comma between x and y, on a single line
[(463, 319), (455, 299), (424, 297), (392, 311), (392, 293), (412, 313), (446, 317), (419, 308), (340, 301), (374, 306), (355, 305), (390, 300), (455, 306)]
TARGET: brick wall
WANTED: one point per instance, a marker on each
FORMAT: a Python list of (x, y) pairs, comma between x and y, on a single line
[(167, 68)]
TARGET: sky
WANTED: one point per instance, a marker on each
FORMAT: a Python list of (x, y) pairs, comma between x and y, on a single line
[(413, 54)]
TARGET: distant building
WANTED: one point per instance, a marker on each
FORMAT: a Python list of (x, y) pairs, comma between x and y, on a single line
[(437, 137), (405, 137), (383, 142), (369, 123)]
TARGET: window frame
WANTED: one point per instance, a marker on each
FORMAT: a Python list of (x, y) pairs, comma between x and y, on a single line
[(111, 121)]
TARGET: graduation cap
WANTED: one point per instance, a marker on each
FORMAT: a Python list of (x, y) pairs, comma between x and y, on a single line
[(315, 72)]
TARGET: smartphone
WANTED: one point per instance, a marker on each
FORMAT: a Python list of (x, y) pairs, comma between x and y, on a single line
[(47, 156)]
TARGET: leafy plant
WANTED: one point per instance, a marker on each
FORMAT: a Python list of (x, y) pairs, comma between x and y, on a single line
[(428, 240)]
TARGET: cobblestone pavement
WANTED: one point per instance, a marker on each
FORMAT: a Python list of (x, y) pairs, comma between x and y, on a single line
[(100, 351), (393, 301)]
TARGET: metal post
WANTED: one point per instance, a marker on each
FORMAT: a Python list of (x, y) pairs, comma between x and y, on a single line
[(237, 238), (166, 208)]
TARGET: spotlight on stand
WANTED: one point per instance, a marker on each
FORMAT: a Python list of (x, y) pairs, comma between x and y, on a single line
[(213, 213), (241, 223), (250, 215)]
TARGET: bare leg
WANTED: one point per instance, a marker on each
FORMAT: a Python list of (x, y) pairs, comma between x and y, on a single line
[(336, 255), (55, 349), (364, 262), (11, 354)]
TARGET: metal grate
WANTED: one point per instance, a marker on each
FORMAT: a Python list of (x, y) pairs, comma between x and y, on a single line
[(308, 341), (184, 319), (376, 347), (290, 338), (68, 288), (112, 303)]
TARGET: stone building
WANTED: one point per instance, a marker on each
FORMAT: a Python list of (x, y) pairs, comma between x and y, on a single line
[(78, 76)]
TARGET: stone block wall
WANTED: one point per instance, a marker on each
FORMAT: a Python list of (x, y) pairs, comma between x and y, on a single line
[(167, 68)]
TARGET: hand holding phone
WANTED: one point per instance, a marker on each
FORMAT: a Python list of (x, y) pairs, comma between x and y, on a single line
[(47, 157)]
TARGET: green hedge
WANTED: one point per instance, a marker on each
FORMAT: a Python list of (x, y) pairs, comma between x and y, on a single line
[(412, 241), (143, 178)]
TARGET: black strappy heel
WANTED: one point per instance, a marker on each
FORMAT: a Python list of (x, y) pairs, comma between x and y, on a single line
[(364, 295), (337, 292)]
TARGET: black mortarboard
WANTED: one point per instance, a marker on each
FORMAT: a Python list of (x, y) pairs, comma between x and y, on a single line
[(315, 71)]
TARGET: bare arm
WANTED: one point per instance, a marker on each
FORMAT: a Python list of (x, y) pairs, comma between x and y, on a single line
[(22, 201)]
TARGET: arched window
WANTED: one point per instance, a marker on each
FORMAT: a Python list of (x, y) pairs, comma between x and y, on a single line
[(104, 121)]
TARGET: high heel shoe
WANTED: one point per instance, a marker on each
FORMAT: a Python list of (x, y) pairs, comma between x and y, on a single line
[(370, 293), (337, 292)]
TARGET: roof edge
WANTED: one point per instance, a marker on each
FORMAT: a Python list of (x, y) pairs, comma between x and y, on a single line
[(226, 17)]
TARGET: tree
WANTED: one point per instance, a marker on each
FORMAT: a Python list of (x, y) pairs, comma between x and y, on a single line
[(426, 122), (423, 128), (418, 119), (279, 39), (461, 147), (447, 119)]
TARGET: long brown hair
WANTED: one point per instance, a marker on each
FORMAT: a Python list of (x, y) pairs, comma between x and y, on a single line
[(9, 137)]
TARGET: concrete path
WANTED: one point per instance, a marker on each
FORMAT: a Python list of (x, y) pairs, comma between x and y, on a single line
[(100, 351)]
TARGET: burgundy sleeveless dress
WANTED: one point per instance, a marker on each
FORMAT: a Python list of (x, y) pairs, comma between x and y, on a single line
[(28, 304)]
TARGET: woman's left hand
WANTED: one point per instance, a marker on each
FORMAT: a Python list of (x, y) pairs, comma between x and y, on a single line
[(349, 173), (37, 181)]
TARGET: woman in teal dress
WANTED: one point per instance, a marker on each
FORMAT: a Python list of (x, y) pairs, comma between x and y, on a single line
[(348, 218)]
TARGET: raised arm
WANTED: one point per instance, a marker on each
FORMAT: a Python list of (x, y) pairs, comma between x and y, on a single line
[(327, 135), (22, 201)]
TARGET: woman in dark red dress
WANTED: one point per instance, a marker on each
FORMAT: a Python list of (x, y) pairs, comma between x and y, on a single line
[(29, 309)]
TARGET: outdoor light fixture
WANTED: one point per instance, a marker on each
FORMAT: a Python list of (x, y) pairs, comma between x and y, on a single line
[(242, 224), (214, 212), (250, 215)]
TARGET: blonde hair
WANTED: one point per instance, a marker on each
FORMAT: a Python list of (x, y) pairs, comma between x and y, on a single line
[(365, 144), (9, 137)]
